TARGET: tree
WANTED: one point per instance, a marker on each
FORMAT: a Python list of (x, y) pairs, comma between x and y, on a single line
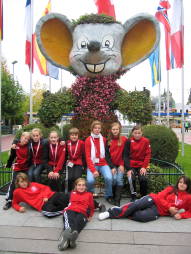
[(12, 97), (37, 95), (135, 106), (54, 106)]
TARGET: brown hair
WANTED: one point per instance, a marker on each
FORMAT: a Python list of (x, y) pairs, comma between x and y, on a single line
[(80, 179), (110, 136), (186, 180), (136, 128), (96, 122), (23, 177), (74, 131)]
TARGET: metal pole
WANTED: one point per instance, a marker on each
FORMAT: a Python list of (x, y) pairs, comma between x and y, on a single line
[(49, 84), (0, 99), (182, 110), (31, 63), (61, 79), (159, 106), (168, 99), (13, 63)]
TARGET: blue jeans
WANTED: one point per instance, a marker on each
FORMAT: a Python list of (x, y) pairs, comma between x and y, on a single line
[(107, 175), (118, 178), (34, 173)]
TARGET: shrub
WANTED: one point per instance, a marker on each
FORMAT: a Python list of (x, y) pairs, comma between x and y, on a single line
[(164, 142), (45, 130), (65, 131)]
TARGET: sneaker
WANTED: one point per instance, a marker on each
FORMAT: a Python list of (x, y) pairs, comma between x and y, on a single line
[(102, 208), (110, 200), (74, 236), (64, 240), (103, 216), (133, 198), (7, 205)]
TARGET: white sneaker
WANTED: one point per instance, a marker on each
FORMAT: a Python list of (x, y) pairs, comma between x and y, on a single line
[(103, 216)]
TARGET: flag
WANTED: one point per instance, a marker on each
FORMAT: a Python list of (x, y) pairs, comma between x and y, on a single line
[(105, 7), (45, 67), (177, 33), (154, 60), (162, 16), (28, 45), (1, 19)]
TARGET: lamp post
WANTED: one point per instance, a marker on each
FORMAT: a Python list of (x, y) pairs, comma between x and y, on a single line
[(13, 63)]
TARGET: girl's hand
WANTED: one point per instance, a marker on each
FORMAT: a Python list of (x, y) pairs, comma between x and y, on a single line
[(121, 169), (177, 216), (129, 173), (173, 210), (143, 171), (96, 173), (51, 175), (13, 146), (56, 175), (113, 171), (62, 143), (45, 200), (22, 209)]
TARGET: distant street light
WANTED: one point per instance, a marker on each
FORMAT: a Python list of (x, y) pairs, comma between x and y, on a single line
[(13, 63)]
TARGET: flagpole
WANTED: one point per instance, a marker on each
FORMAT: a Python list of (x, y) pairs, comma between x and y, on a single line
[(182, 80), (168, 99), (61, 79), (0, 98), (31, 63), (49, 84), (159, 105)]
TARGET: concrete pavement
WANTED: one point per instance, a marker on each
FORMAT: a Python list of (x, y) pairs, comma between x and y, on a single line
[(187, 135), (6, 141), (33, 233)]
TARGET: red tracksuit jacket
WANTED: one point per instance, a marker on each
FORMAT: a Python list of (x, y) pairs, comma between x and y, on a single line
[(114, 152), (76, 152), (102, 161), (167, 198), (81, 203), (32, 195)]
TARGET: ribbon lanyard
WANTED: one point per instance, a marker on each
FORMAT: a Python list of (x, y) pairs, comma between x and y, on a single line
[(35, 154), (76, 147), (95, 145), (176, 203), (54, 154)]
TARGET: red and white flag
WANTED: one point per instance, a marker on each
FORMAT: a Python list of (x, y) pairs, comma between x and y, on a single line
[(177, 33), (105, 7), (28, 21)]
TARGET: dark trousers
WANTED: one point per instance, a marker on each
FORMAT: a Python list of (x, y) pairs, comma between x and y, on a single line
[(142, 181), (73, 173), (56, 184), (34, 173), (74, 220), (143, 210), (55, 204), (9, 196)]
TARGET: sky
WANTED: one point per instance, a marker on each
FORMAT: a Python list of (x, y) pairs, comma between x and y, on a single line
[(13, 44)]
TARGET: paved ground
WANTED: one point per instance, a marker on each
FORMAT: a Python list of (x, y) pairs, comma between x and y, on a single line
[(187, 135), (6, 141), (33, 233)]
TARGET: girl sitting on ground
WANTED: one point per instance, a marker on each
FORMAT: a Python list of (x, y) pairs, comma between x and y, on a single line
[(172, 201), (38, 196), (79, 211)]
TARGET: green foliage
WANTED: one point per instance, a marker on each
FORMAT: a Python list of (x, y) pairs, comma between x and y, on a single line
[(12, 96), (135, 106), (65, 131), (54, 106), (45, 130), (184, 161), (94, 19), (164, 142)]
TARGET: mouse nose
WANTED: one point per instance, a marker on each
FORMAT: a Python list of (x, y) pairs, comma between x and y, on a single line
[(94, 46)]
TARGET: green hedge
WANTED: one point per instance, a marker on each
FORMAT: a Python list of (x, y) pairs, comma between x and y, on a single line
[(45, 130), (164, 142)]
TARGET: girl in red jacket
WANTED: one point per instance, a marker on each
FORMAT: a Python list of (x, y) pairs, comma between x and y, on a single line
[(172, 201), (39, 196), (75, 157), (137, 154), (114, 157), (19, 160), (54, 157), (79, 211), (96, 162)]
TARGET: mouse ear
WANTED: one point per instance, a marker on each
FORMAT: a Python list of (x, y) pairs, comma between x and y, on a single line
[(141, 39), (54, 38)]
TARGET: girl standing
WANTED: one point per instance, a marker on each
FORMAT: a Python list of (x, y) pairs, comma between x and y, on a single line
[(54, 157), (114, 157), (172, 201), (96, 162), (38, 196), (79, 211), (21, 157), (137, 154)]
